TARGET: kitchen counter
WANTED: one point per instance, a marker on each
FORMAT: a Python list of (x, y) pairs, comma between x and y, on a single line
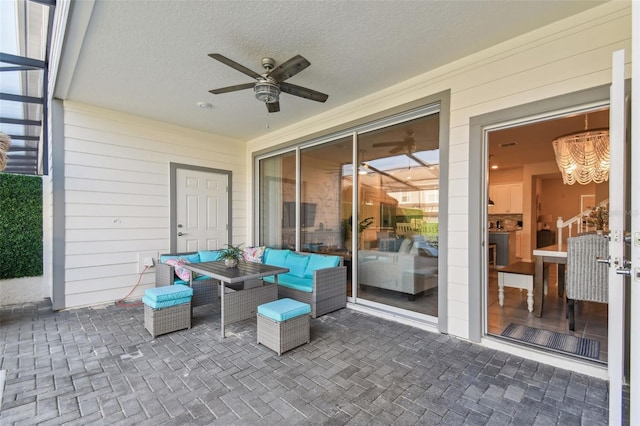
[(505, 242)]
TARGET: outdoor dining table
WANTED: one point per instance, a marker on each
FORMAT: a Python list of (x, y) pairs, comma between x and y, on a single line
[(240, 303)]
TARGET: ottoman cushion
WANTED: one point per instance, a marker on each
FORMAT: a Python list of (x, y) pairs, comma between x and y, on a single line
[(166, 303), (284, 309), (162, 294)]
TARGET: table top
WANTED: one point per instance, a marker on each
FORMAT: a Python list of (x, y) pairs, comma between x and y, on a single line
[(550, 251), (522, 268), (244, 271)]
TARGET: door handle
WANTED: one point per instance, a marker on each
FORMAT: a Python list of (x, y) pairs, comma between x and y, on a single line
[(180, 234), (624, 271)]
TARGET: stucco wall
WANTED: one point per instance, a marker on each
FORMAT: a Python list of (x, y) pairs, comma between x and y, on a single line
[(564, 57)]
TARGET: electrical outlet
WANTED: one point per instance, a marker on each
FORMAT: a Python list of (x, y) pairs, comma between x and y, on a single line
[(146, 259)]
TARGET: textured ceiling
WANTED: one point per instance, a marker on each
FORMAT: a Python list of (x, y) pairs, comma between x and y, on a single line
[(149, 58)]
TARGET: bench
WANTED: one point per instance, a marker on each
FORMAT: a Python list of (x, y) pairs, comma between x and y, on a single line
[(517, 275)]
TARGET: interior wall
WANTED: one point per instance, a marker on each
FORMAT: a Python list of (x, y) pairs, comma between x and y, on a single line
[(116, 196), (565, 57), (560, 200), (497, 177)]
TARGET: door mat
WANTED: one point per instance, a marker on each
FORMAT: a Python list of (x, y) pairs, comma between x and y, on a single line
[(559, 342)]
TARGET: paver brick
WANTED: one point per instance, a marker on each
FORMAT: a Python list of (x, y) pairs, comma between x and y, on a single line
[(99, 365)]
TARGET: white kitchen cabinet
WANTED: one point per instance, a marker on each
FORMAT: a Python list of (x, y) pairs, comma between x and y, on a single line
[(507, 198)]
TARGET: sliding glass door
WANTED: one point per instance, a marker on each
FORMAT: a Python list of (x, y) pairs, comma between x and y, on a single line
[(397, 221), (277, 182), (375, 204)]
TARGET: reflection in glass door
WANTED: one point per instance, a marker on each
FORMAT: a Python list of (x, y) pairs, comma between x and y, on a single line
[(325, 197), (397, 222)]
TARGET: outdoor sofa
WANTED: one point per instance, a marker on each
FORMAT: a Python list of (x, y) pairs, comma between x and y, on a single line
[(316, 279)]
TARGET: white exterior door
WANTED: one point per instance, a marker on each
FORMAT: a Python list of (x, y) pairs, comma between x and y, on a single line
[(635, 224), (202, 208), (618, 185)]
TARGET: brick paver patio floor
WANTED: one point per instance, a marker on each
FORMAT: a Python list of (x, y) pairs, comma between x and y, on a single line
[(99, 365)]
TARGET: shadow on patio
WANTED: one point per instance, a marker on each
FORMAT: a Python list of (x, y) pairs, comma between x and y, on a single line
[(99, 365)]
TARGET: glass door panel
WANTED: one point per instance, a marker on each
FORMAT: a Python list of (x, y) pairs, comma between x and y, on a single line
[(278, 201), (397, 223), (325, 193)]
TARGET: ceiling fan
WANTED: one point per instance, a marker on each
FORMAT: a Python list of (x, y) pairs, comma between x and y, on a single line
[(269, 85), (406, 146)]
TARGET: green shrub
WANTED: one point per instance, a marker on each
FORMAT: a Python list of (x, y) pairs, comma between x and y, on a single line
[(20, 226)]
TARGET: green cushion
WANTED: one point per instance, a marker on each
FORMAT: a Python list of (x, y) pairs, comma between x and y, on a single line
[(296, 263), (319, 261), (209, 255), (293, 282), (284, 309), (276, 257)]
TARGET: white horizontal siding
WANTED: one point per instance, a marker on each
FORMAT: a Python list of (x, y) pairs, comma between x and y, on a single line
[(567, 56), (117, 196), (98, 247)]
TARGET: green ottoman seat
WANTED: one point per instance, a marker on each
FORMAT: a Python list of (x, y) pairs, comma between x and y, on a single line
[(167, 309), (283, 324)]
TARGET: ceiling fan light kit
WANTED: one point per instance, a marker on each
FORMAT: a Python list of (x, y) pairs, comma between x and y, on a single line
[(270, 84), (267, 92)]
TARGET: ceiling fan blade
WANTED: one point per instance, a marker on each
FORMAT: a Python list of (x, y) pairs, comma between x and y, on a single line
[(273, 107), (396, 150), (288, 69), (235, 65), (303, 92), (418, 160), (232, 88)]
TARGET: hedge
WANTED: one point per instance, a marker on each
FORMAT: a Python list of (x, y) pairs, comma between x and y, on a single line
[(20, 226)]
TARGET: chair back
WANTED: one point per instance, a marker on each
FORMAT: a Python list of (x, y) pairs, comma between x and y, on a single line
[(587, 279)]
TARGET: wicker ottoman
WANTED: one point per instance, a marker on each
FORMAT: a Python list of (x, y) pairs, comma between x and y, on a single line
[(283, 324), (167, 309)]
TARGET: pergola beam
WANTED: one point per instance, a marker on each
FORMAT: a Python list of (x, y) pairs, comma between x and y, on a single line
[(21, 98), (22, 61), (20, 121)]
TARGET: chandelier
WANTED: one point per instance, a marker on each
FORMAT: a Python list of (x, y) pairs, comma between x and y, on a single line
[(583, 157)]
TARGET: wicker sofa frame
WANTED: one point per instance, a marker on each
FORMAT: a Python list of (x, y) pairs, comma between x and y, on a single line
[(205, 291), (329, 290)]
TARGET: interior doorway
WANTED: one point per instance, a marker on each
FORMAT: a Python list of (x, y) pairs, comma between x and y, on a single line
[(528, 196)]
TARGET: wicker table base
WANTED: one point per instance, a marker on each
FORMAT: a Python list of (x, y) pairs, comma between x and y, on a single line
[(236, 305)]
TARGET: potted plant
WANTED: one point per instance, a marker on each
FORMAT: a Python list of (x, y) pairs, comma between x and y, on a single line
[(232, 255), (599, 217)]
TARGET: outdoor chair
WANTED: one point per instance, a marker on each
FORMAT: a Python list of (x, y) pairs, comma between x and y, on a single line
[(586, 279)]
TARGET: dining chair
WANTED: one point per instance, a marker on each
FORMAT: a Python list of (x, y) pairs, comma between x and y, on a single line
[(586, 279)]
